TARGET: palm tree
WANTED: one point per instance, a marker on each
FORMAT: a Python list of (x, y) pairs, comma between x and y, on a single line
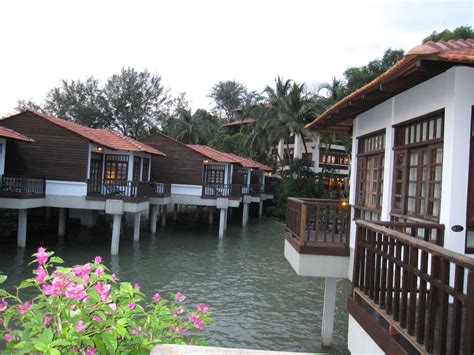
[(186, 127)]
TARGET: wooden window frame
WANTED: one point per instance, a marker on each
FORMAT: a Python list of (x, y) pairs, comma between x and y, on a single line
[(408, 140), (117, 163), (137, 167), (145, 169), (214, 174), (371, 153)]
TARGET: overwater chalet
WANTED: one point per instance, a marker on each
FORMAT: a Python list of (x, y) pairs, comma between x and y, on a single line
[(202, 176), (408, 245), (68, 166)]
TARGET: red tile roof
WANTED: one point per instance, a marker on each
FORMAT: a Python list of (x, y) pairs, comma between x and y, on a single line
[(107, 138), (245, 121), (223, 157), (10, 134), (453, 52)]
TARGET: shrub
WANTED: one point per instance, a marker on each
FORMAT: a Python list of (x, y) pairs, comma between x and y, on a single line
[(85, 310)]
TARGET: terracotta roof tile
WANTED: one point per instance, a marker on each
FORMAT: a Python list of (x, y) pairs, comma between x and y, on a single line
[(11, 134), (454, 51), (107, 138)]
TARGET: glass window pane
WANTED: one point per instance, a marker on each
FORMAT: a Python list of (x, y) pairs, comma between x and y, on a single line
[(411, 204), (414, 158), (413, 174), (412, 189)]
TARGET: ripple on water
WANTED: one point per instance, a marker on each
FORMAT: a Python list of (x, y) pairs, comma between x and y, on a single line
[(257, 300)]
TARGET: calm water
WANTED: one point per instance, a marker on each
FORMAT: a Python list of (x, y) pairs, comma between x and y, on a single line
[(257, 300)]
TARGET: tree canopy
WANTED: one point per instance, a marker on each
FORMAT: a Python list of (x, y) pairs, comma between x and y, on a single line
[(461, 32)]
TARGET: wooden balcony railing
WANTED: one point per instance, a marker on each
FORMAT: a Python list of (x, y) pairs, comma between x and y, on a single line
[(411, 294), (317, 226), (253, 189), (118, 189), (160, 189), (221, 190), (22, 186)]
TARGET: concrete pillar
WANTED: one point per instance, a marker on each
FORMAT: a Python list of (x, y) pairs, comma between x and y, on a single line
[(211, 215), (153, 218), (62, 222), (328, 310), (22, 222), (116, 234), (175, 212), (222, 222), (136, 226), (163, 216), (245, 214), (298, 147), (226, 218), (260, 209)]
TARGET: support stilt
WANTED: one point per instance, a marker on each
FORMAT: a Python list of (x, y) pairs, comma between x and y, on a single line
[(245, 214), (226, 218), (328, 310), (222, 219), (260, 209), (211, 215), (62, 222), (136, 227), (175, 212), (163, 215), (22, 222), (116, 234), (153, 218)]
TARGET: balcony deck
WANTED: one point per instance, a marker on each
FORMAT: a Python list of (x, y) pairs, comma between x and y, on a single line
[(22, 187), (119, 190)]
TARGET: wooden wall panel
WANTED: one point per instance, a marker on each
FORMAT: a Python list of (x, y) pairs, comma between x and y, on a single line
[(56, 154), (181, 165)]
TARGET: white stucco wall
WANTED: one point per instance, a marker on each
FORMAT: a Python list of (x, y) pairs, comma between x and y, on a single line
[(452, 90)]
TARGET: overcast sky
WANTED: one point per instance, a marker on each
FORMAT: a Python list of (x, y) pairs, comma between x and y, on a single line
[(195, 44)]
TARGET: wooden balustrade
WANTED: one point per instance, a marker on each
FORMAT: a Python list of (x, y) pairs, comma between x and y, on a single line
[(160, 189), (221, 190), (419, 293), (317, 226), (22, 186), (118, 189)]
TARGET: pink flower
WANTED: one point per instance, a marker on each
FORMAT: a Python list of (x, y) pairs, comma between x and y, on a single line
[(156, 297), (103, 290), (91, 350), (47, 320), (194, 317), (3, 304), (59, 283), (180, 297), (113, 276), (8, 337), (1, 322), (83, 272), (74, 349), (178, 310), (23, 308), (136, 285), (132, 305), (99, 271), (76, 291), (80, 326), (41, 274), (201, 307), (98, 259), (96, 318), (178, 329), (113, 306), (72, 307), (42, 257), (135, 331), (199, 324)]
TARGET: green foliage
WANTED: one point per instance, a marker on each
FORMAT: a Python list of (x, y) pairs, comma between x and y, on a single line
[(85, 310), (461, 32), (230, 143)]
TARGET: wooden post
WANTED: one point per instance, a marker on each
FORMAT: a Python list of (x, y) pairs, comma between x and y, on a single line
[(303, 224)]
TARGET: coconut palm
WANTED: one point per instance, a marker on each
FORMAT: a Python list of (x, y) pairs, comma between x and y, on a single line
[(186, 127)]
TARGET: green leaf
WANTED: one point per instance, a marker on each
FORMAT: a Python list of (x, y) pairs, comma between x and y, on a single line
[(60, 342), (3, 278), (39, 345), (53, 351), (57, 260), (47, 336), (110, 341)]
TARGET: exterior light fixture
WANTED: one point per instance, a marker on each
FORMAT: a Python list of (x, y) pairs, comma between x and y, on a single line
[(270, 173), (344, 203), (99, 149), (206, 161)]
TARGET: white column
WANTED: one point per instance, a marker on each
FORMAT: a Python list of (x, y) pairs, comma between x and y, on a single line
[(298, 149), (22, 222), (328, 310), (221, 222), (226, 218), (163, 215), (154, 215), (281, 150), (211, 215), (62, 222), (136, 227), (175, 212), (116, 234), (260, 209), (245, 214)]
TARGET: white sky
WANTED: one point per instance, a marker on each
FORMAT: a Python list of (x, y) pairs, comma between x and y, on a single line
[(195, 44)]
